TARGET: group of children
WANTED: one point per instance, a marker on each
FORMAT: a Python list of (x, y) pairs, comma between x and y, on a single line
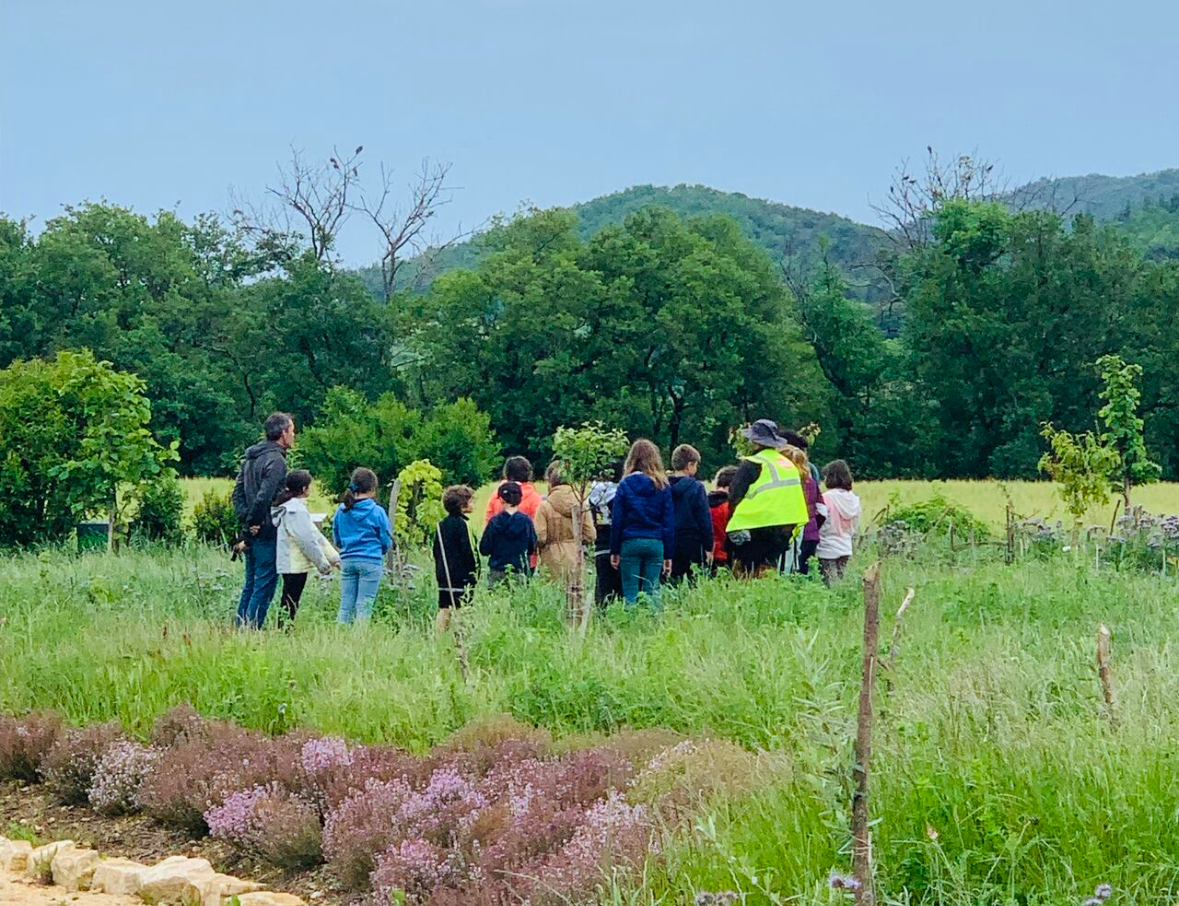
[(644, 526), (361, 536)]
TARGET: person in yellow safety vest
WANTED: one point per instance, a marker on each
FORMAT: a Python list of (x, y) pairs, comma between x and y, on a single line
[(767, 503)]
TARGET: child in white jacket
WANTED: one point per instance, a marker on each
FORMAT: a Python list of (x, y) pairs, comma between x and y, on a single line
[(842, 523), (301, 545)]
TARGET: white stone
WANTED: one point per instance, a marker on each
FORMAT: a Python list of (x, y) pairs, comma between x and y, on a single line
[(73, 867), (168, 881), (269, 898), (214, 889), (14, 855), (40, 861), (120, 877)]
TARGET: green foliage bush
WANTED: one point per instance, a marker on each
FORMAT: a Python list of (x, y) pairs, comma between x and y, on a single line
[(161, 511), (74, 442), (388, 435), (935, 516), (214, 520)]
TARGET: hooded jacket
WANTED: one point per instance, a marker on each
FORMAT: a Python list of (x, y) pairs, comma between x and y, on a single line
[(508, 542), (263, 471), (301, 545), (554, 530), (718, 510), (693, 524), (455, 564), (642, 511), (529, 502), (843, 520), (363, 532)]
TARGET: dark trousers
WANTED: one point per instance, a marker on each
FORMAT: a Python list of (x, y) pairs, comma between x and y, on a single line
[(689, 557), (292, 591), (608, 580), (805, 551), (833, 569), (261, 580)]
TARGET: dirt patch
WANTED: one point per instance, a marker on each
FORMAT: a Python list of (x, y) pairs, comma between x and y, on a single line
[(28, 809)]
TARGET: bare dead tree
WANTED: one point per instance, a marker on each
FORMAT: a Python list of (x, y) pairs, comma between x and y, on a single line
[(313, 202), (915, 196), (403, 228)]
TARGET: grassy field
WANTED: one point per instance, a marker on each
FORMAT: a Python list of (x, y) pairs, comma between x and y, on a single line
[(986, 499), (997, 778)]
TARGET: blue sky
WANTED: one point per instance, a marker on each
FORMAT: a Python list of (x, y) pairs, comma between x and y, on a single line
[(171, 104)]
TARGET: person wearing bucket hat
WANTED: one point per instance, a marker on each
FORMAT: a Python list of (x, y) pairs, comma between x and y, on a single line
[(767, 503)]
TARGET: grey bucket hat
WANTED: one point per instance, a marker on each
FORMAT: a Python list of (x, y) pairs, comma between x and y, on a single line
[(764, 432)]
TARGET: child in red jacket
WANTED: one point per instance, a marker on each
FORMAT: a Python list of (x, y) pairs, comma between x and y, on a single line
[(718, 509)]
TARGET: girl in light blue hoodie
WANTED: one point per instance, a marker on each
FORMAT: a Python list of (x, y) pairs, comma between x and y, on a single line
[(363, 537)]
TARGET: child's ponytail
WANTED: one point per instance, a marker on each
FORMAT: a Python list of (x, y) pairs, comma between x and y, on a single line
[(297, 482), (363, 481)]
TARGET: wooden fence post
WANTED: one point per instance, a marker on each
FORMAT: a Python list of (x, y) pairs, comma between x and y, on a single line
[(861, 834), (1105, 672), (391, 557)]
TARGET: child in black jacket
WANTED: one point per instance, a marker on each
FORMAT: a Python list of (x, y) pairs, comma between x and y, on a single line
[(456, 566), (509, 541)]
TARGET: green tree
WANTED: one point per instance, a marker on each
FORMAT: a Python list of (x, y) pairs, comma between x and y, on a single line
[(1123, 426), (676, 329), (388, 435), (1082, 465), (1004, 314), (74, 441), (584, 452)]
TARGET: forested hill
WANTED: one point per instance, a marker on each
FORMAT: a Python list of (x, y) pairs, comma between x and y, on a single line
[(1105, 197), (1145, 207), (775, 227)]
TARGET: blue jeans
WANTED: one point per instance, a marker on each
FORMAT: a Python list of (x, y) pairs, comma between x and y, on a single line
[(359, 581), (641, 564), (261, 580)]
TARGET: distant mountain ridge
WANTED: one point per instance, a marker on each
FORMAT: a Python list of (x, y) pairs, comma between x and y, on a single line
[(1146, 207)]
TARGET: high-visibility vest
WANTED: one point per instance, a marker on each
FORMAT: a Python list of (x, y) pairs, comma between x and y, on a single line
[(776, 498)]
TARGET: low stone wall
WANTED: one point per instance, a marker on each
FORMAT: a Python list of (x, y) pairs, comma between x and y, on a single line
[(176, 881)]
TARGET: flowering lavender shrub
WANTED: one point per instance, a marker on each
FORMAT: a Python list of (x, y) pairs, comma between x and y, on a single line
[(273, 824), (323, 754), (362, 826), (614, 837), (68, 768), (180, 724), (413, 869), (200, 771), (119, 777), (24, 743)]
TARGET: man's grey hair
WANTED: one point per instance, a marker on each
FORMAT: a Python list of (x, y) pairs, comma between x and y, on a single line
[(276, 424)]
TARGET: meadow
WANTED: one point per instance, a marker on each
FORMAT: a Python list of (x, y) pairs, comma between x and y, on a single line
[(997, 776)]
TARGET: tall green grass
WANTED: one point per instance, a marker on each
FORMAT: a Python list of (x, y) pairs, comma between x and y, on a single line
[(997, 779)]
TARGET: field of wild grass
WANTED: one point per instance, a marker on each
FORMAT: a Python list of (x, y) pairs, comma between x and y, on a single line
[(986, 499), (997, 778)]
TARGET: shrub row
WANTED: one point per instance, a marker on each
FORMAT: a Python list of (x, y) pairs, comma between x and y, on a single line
[(498, 814)]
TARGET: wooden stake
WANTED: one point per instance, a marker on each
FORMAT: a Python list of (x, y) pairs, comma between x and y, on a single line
[(391, 557), (861, 834), (1105, 672)]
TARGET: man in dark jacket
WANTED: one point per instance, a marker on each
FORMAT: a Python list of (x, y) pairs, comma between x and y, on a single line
[(261, 477), (693, 523)]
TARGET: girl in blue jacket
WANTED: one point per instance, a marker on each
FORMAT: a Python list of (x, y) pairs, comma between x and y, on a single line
[(363, 537), (642, 524)]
